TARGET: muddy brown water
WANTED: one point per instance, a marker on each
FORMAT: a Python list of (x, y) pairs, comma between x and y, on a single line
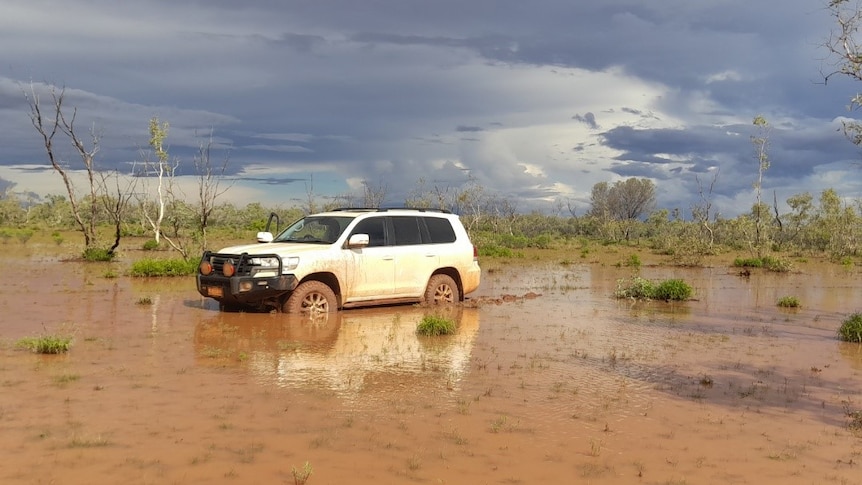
[(548, 380)]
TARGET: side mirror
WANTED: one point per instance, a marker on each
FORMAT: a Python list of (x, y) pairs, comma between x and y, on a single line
[(357, 241), (264, 237)]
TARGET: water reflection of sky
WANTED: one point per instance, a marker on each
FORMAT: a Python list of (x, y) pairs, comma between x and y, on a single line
[(352, 353)]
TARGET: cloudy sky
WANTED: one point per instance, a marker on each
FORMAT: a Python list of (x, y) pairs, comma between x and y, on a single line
[(536, 101)]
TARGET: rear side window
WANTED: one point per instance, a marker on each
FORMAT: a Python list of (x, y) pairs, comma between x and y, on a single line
[(406, 231), (440, 230)]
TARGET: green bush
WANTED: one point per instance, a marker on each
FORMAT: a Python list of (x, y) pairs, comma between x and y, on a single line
[(779, 265), (495, 252), (163, 267), (789, 302), (643, 289), (151, 245), (46, 344), (675, 289), (851, 328), (94, 255), (433, 325), (637, 288)]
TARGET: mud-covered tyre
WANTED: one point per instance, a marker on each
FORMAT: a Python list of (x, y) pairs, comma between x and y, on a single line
[(441, 290), (311, 297)]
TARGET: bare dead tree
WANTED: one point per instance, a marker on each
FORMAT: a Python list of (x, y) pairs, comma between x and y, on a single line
[(373, 195), (57, 122), (210, 188), (115, 201), (845, 54), (702, 212)]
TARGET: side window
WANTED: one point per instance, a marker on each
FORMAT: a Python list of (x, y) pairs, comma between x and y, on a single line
[(375, 230), (440, 230), (406, 230)]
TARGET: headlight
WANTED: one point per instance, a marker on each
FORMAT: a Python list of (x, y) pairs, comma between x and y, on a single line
[(291, 263), (265, 262)]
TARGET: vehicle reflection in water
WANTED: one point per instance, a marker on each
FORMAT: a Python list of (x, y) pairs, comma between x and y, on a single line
[(352, 353)]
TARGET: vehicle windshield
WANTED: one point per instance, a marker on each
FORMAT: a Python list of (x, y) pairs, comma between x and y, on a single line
[(315, 229)]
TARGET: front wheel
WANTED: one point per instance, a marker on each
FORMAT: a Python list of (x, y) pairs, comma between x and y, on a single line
[(441, 290), (310, 297)]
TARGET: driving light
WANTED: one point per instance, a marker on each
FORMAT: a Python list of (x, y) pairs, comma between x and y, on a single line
[(206, 268), (228, 269)]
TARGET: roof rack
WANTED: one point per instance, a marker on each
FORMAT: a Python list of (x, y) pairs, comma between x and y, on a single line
[(385, 209)]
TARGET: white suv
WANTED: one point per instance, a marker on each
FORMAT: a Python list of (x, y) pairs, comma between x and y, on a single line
[(346, 258)]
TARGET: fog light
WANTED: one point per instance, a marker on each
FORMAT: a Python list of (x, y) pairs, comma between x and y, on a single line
[(245, 286), (228, 269), (206, 268)]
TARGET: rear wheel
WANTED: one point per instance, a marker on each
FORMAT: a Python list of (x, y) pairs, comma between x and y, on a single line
[(310, 297), (441, 290)]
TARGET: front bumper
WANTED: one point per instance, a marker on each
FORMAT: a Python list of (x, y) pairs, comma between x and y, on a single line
[(247, 285)]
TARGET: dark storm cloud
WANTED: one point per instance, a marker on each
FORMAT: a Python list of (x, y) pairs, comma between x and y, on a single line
[(388, 90)]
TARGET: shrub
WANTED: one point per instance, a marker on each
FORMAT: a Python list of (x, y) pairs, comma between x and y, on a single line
[(151, 245), (163, 267), (433, 325), (46, 344), (94, 255), (675, 289), (495, 251), (779, 265), (851, 328), (789, 302), (637, 288), (643, 289)]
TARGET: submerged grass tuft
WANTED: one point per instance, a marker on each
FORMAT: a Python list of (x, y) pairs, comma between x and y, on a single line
[(643, 289), (851, 328), (789, 302), (301, 476), (46, 344), (163, 267), (433, 325)]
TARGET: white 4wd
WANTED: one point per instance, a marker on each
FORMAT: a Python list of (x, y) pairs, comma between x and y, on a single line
[(346, 258)]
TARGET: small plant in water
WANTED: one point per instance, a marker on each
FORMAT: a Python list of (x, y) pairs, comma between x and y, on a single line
[(301, 476), (634, 261), (643, 289), (46, 344), (789, 302), (144, 300), (97, 254), (851, 328), (433, 325)]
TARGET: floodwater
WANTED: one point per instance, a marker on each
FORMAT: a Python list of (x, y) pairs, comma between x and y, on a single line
[(548, 380)]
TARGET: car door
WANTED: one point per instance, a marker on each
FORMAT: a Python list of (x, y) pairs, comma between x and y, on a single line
[(414, 260), (374, 265)]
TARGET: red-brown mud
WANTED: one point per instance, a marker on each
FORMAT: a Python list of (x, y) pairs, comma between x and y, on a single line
[(559, 384)]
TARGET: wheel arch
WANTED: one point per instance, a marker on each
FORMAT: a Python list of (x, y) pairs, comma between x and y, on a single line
[(455, 275), (330, 280)]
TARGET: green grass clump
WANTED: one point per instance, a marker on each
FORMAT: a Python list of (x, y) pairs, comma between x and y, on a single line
[(779, 265), (643, 289), (789, 302), (151, 245), (94, 255), (163, 267), (46, 344), (851, 328), (674, 289), (433, 325)]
